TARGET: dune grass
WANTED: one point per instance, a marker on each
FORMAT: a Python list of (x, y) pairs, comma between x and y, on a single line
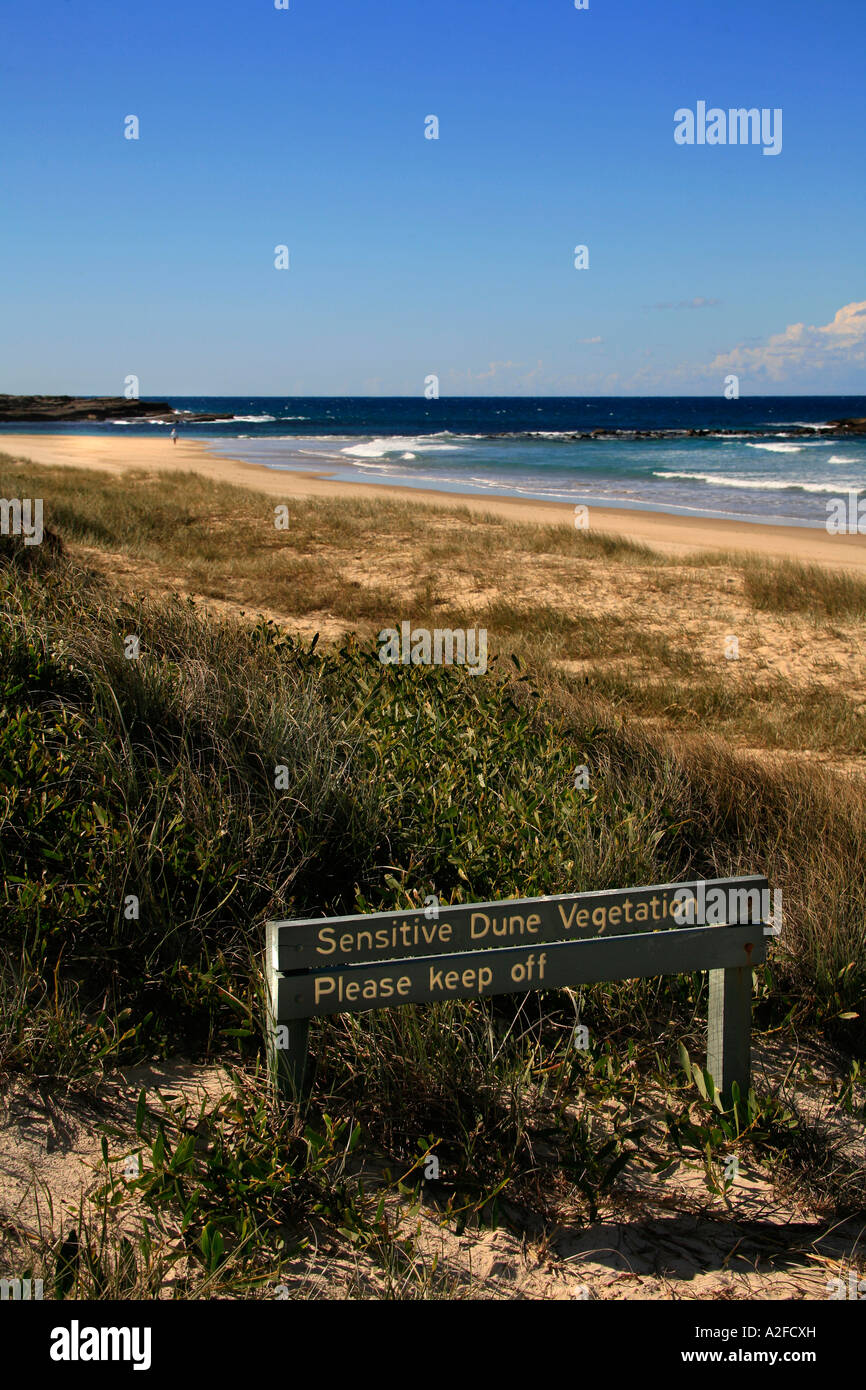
[(789, 587)]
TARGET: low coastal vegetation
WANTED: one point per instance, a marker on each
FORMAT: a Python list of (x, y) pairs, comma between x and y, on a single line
[(144, 841), (650, 631)]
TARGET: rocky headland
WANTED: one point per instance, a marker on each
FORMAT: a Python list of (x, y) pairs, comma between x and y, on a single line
[(22, 409)]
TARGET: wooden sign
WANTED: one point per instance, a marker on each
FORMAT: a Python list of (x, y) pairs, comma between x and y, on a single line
[(313, 943), (476, 950)]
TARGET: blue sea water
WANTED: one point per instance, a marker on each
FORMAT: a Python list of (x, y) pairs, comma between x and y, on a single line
[(782, 465)]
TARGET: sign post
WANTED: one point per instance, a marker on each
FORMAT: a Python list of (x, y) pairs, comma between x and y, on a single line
[(729, 1029), (470, 951)]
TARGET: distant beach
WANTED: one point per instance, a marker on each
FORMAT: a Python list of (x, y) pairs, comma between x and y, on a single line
[(113, 454)]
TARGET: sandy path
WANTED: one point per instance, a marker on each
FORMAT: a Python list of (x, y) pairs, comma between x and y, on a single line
[(656, 1238), (674, 534)]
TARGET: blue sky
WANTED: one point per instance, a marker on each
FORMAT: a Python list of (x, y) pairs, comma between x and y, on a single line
[(409, 256)]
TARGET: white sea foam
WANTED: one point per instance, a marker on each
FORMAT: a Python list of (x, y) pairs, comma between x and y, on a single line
[(777, 448), (378, 448), (806, 425), (251, 419), (815, 443), (757, 484)]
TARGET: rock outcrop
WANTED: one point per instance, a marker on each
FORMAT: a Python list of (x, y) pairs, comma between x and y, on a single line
[(26, 408), (853, 425)]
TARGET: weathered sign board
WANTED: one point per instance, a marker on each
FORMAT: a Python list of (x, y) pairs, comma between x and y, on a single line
[(475, 950)]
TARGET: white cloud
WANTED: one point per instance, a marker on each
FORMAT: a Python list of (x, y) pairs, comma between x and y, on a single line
[(803, 348)]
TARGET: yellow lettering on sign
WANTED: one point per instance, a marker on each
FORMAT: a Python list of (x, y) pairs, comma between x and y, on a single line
[(479, 925)]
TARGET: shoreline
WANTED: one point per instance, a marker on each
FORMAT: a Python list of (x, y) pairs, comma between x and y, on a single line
[(667, 532)]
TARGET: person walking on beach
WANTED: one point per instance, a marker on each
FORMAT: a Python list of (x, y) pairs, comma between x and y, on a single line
[(174, 436)]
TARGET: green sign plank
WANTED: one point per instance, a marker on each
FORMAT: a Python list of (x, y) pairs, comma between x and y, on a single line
[(509, 970), (375, 936)]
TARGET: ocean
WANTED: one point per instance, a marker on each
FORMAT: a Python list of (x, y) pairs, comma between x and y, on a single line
[(781, 463)]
